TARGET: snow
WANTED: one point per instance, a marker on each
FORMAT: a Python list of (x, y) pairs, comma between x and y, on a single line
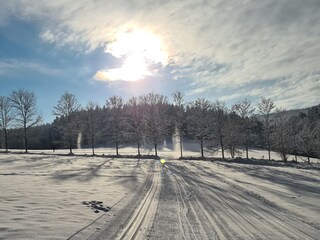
[(297, 190), (41, 196), (45, 196), (190, 150)]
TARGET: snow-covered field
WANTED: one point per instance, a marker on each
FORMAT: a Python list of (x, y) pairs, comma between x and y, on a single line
[(191, 150), (41, 196), (79, 197)]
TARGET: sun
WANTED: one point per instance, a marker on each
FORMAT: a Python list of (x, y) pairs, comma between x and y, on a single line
[(139, 50)]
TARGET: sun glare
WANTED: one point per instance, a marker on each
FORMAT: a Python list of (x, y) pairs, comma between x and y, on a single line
[(139, 51)]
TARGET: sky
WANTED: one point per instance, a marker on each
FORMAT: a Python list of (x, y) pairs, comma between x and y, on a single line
[(224, 50)]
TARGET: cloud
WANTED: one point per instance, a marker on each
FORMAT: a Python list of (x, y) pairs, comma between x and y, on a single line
[(14, 66), (125, 73), (142, 55), (101, 76), (219, 44), (49, 36)]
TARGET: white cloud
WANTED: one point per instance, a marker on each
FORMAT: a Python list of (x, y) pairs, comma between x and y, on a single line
[(253, 40), (49, 36), (143, 55)]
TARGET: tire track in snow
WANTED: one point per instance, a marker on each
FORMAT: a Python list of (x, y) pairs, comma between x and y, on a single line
[(139, 225), (274, 215), (218, 225), (111, 223), (236, 225), (188, 228), (269, 221)]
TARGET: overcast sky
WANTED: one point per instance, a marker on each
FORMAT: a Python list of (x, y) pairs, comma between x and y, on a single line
[(217, 49)]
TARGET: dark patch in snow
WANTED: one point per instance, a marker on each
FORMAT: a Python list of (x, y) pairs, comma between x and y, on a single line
[(96, 206)]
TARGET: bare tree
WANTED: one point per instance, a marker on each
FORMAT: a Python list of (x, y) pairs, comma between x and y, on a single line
[(281, 136), (115, 126), (135, 121), (24, 102), (91, 117), (244, 111), (179, 116), (308, 140), (66, 109), (265, 109), (294, 127), (155, 107), (232, 133), (220, 112), (6, 116), (198, 121)]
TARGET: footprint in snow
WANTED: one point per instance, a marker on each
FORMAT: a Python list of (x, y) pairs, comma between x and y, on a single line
[(96, 206)]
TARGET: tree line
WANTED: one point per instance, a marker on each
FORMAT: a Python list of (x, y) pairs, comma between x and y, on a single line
[(152, 118)]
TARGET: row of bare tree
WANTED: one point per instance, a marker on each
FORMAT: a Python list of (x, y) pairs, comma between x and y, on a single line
[(151, 118)]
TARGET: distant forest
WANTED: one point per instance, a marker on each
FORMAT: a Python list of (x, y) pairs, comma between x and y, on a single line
[(152, 118)]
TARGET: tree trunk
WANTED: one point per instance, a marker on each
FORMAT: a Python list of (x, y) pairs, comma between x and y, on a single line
[(6, 139), (284, 156), (180, 146), (247, 153), (70, 145), (25, 138), (92, 145), (232, 152), (295, 148), (117, 148), (138, 163), (155, 149), (201, 145), (268, 139), (138, 148), (222, 147), (246, 144)]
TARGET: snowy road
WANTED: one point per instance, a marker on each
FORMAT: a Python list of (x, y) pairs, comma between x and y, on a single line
[(209, 207), (203, 205)]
